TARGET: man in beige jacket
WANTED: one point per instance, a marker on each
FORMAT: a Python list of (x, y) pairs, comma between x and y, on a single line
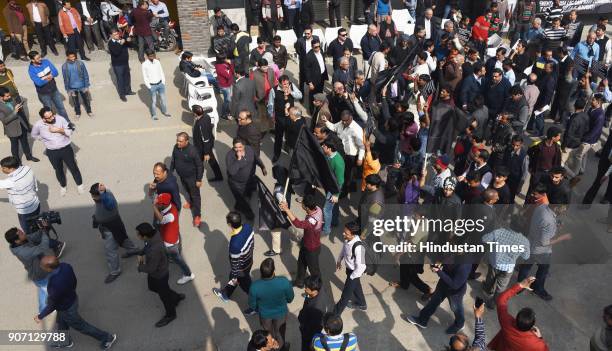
[(39, 17)]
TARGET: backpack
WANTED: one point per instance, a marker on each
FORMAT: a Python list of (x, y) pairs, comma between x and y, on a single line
[(372, 258), (345, 342)]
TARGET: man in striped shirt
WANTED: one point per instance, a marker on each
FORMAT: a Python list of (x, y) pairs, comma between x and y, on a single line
[(333, 339), (21, 187), (241, 246), (555, 35)]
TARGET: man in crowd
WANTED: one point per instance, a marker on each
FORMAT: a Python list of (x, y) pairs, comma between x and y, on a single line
[(154, 262), (204, 140), (269, 296), (15, 127), (107, 219), (248, 131), (188, 164), (310, 245), (333, 338), (352, 255), (63, 299), (76, 82), (39, 17), (120, 62), (280, 100), (91, 15), (243, 94), (141, 18), (240, 162), (71, 26), (312, 312), (241, 247), (155, 80), (54, 131), (43, 73)]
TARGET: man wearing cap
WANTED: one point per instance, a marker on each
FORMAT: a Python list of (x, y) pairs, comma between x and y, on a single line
[(154, 262), (435, 186), (108, 221), (166, 215), (321, 109)]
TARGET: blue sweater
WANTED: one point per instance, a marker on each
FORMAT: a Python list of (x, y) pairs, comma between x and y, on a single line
[(241, 248), (61, 289), (170, 186), (597, 119), (453, 278), (75, 75), (37, 72)]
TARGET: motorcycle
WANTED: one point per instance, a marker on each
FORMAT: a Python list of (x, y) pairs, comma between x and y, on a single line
[(165, 40)]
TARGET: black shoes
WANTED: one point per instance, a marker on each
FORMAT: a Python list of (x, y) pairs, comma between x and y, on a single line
[(123, 98), (131, 93), (33, 159), (111, 278), (164, 321), (270, 253), (86, 59)]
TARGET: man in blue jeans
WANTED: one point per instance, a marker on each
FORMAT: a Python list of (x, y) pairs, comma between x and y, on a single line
[(452, 286), (63, 299), (43, 73), (155, 80), (336, 163)]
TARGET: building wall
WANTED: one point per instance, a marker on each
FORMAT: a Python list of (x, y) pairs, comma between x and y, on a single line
[(193, 21)]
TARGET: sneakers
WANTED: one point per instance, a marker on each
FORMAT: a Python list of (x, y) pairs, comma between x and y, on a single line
[(186, 279), (270, 253), (108, 344), (249, 312), (154, 118), (415, 321), (167, 115), (69, 346), (80, 189), (220, 294), (453, 329), (353, 306), (111, 278), (197, 221), (91, 115), (59, 250), (63, 191)]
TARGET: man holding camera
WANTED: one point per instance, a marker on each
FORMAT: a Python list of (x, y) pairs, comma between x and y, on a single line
[(29, 248), (108, 221)]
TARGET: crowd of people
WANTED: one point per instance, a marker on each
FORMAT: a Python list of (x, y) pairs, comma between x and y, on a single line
[(431, 117)]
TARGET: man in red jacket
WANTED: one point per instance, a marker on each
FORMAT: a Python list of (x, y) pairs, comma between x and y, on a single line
[(518, 334)]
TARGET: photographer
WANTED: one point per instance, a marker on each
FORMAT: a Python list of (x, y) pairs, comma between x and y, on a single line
[(55, 131), (29, 248), (21, 186), (108, 221)]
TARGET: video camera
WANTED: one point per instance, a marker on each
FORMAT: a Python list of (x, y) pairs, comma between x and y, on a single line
[(45, 221)]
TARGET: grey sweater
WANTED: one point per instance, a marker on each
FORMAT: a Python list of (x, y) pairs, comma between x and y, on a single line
[(30, 253)]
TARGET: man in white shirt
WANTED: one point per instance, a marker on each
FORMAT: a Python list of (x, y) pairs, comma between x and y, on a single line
[(353, 256), (21, 186), (160, 11), (155, 80), (39, 16), (351, 135)]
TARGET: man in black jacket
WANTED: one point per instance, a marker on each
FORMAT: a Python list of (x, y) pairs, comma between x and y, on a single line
[(335, 49), (91, 15), (302, 47), (240, 162), (315, 73), (311, 314), (204, 140), (248, 131), (188, 164), (120, 62), (577, 127), (154, 262)]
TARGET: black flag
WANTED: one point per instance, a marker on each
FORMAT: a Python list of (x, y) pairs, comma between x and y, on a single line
[(383, 78), (309, 164), (270, 215)]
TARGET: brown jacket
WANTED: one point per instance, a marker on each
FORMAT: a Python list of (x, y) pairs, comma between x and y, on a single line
[(64, 21), (258, 77), (14, 26), (43, 10)]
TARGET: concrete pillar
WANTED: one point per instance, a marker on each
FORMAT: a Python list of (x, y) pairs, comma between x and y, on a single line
[(194, 23)]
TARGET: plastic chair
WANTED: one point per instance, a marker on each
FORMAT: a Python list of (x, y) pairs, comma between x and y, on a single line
[(357, 32)]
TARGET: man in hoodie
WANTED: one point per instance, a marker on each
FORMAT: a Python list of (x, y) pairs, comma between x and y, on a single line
[(76, 82), (107, 219), (42, 72)]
